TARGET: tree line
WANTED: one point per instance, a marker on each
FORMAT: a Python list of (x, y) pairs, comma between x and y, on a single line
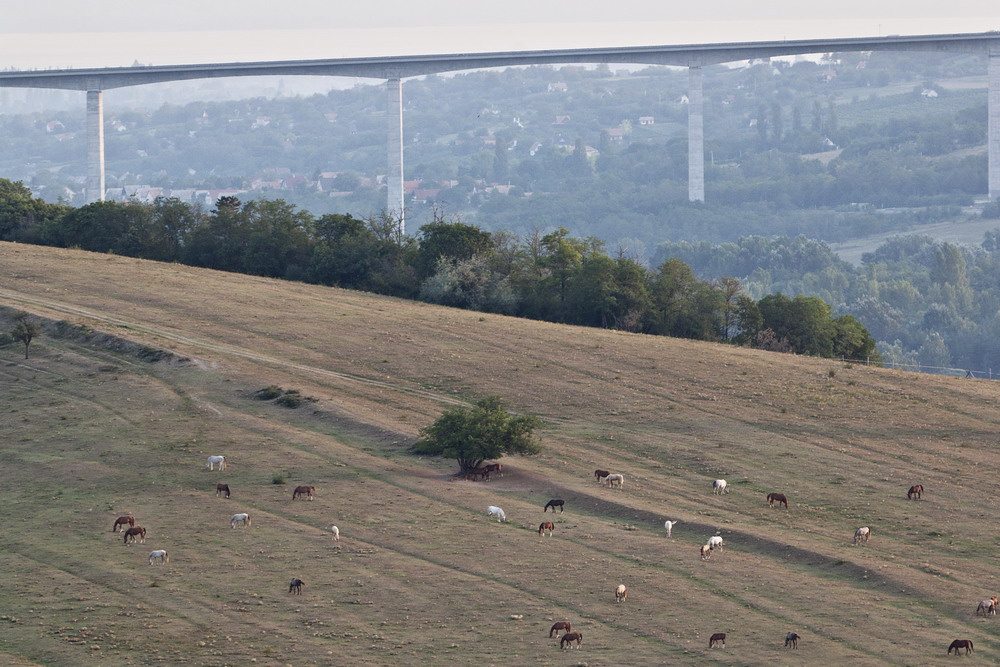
[(552, 276)]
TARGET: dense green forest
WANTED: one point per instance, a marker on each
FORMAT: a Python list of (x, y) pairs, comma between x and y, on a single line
[(553, 277)]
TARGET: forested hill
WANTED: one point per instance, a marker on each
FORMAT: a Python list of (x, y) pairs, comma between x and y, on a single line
[(812, 148)]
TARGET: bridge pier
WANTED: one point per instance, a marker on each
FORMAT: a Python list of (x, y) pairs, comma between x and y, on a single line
[(696, 136), (394, 174), (993, 124), (95, 146)]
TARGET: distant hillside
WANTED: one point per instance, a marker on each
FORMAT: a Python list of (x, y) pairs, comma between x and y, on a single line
[(93, 429)]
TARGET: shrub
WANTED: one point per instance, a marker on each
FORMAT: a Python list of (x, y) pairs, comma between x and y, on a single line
[(268, 393), (278, 478)]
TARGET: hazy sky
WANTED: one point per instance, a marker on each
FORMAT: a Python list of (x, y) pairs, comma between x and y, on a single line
[(70, 33)]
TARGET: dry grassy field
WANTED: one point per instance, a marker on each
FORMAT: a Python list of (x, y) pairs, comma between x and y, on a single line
[(98, 423)]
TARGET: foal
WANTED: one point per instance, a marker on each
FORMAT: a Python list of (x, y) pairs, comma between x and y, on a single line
[(132, 532), (546, 527), (791, 639)]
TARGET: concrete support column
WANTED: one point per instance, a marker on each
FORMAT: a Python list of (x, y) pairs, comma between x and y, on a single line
[(696, 136), (394, 113), (95, 146), (993, 125)]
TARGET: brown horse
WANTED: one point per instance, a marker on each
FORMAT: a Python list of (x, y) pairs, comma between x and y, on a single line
[(717, 638), (482, 473), (121, 521), (548, 526), (556, 627), (306, 491), (571, 637), (554, 503), (295, 586), (792, 640), (959, 644), (495, 467), (915, 490), (220, 489), (133, 532), (777, 498), (601, 474)]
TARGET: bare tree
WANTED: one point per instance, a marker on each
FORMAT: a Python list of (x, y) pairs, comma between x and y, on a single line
[(25, 329)]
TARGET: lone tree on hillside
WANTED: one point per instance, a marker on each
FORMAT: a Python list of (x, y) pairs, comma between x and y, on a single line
[(479, 432), (24, 330)]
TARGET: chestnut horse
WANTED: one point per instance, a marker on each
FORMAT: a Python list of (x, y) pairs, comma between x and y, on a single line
[(121, 521), (482, 473), (959, 644), (220, 489), (915, 490), (133, 532), (306, 491), (777, 498), (599, 474), (569, 638), (717, 638), (548, 527), (556, 627), (495, 467), (295, 586), (554, 503)]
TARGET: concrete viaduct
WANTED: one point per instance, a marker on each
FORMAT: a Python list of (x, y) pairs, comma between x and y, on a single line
[(396, 68)]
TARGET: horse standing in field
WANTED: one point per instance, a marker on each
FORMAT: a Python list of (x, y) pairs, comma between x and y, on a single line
[(915, 490), (211, 461), (495, 467), (791, 640), (159, 554), (336, 533), (221, 489), (554, 503), (621, 593), (988, 607), (560, 625), (498, 512), (242, 518), (861, 535), (601, 474), (615, 480), (706, 552), (133, 532), (669, 525), (121, 521), (306, 491), (295, 586), (720, 486), (569, 638), (546, 527), (717, 638), (481, 473), (778, 498), (959, 644)]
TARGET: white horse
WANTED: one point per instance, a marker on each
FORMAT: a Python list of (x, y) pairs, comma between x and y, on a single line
[(720, 486), (861, 535), (669, 525), (715, 542), (621, 593), (987, 607), (615, 480), (212, 460), (493, 510), (159, 554), (243, 518), (336, 533)]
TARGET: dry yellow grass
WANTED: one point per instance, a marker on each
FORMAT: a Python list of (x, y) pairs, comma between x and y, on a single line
[(420, 575)]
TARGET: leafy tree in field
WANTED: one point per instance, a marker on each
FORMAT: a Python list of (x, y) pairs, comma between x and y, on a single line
[(20, 212), (479, 432), (25, 330), (452, 240)]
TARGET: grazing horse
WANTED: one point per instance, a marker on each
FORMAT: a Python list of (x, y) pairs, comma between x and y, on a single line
[(160, 555), (131, 533), (547, 526), (220, 489), (669, 525), (615, 480), (861, 535), (556, 627), (306, 491), (715, 542), (495, 467), (601, 474), (621, 593), (295, 586), (569, 638), (706, 552), (212, 460), (482, 473), (554, 503), (717, 638), (791, 640), (959, 644), (915, 490), (242, 518), (779, 498), (493, 510), (988, 607), (121, 521), (336, 533), (720, 486)]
